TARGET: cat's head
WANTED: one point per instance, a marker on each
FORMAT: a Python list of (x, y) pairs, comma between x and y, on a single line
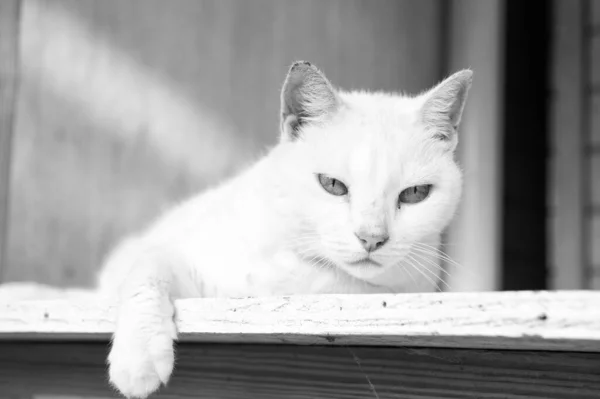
[(373, 174)]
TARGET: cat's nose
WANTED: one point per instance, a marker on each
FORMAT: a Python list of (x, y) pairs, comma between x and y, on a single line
[(372, 242)]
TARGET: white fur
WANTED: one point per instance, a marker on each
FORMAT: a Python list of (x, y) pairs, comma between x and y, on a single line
[(273, 230)]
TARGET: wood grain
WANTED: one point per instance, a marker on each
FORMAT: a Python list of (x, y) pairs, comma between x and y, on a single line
[(265, 371), (594, 174), (595, 59), (595, 14), (594, 241), (594, 133), (9, 54), (567, 135), (505, 320)]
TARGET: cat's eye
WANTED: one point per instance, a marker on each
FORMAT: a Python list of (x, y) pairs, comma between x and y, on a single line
[(332, 186), (414, 194)]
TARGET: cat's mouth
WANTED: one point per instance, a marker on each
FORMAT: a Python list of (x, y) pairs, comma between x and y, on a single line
[(365, 262)]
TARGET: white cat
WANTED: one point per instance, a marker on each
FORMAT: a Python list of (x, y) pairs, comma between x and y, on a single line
[(352, 200)]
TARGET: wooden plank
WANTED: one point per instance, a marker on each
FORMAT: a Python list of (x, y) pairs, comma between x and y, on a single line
[(525, 139), (264, 371), (504, 320), (566, 172), (475, 41), (594, 242), (595, 14), (594, 174), (9, 54), (595, 279), (595, 119), (595, 60)]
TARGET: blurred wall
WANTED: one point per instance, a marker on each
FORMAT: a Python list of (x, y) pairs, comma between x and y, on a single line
[(574, 196), (592, 137), (126, 106)]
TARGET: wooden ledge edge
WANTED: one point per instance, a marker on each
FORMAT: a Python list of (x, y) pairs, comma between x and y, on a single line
[(524, 320)]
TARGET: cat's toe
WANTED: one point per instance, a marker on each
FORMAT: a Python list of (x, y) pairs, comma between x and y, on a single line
[(162, 355), (138, 371), (138, 383)]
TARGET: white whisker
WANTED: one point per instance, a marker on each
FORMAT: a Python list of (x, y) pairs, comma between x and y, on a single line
[(431, 281)]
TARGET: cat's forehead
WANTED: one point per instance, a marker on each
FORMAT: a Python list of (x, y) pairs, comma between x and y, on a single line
[(379, 110), (372, 136), (372, 124)]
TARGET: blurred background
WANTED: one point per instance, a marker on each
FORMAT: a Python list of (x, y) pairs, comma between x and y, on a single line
[(112, 110)]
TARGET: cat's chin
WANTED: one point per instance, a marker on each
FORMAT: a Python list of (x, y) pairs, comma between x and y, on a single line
[(366, 270)]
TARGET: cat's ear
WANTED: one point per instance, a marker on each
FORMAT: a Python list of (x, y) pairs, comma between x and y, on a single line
[(306, 97), (443, 107)]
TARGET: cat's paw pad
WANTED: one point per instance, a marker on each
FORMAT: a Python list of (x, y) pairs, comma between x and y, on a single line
[(137, 367)]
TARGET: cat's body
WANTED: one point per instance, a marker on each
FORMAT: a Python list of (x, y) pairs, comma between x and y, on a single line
[(352, 200), (245, 253)]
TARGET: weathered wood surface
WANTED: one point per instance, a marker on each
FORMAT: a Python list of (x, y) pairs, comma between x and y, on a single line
[(283, 371), (371, 346), (561, 321)]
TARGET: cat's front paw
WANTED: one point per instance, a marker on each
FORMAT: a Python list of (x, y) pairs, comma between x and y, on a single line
[(141, 358)]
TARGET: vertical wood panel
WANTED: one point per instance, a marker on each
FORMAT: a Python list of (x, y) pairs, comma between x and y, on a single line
[(595, 13), (595, 181), (595, 58), (593, 162), (566, 174), (595, 117), (525, 140), (594, 242), (9, 37), (127, 106), (476, 42)]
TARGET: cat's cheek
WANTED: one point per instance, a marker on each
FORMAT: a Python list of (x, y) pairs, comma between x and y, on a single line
[(416, 221)]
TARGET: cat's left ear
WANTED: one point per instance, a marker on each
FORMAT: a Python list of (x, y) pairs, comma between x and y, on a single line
[(306, 97), (444, 104)]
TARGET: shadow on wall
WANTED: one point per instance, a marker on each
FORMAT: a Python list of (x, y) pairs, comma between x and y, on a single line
[(125, 107), (102, 144)]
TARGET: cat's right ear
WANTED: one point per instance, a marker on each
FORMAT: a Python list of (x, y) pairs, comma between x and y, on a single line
[(442, 111), (306, 97)]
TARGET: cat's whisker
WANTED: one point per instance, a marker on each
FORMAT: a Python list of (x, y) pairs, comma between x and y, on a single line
[(431, 262), (425, 268), (433, 250), (321, 262), (407, 271), (437, 276), (443, 256), (436, 256), (428, 278), (437, 250)]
